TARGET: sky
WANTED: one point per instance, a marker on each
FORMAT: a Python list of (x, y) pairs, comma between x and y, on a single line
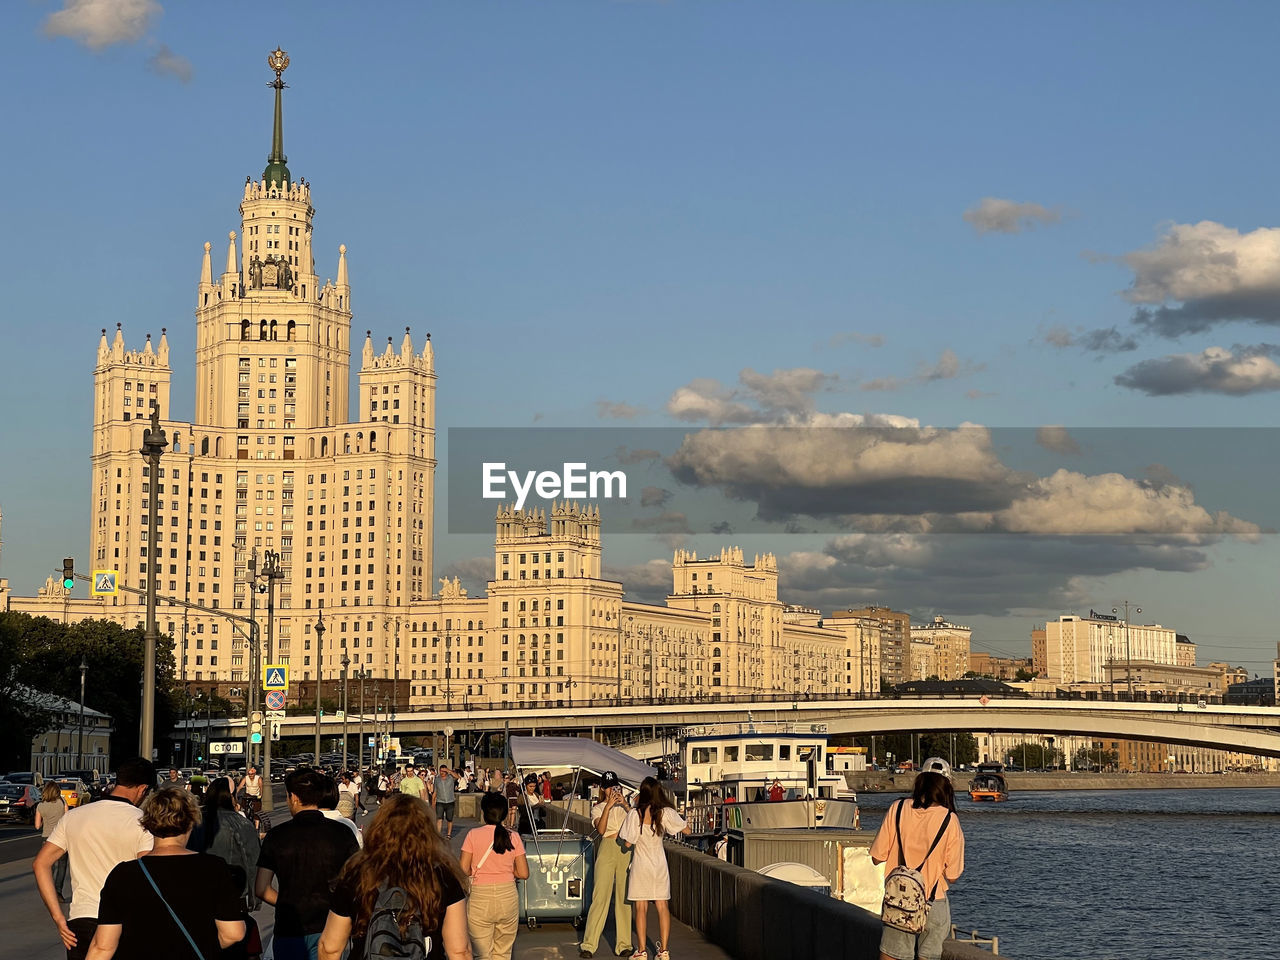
[(854, 227)]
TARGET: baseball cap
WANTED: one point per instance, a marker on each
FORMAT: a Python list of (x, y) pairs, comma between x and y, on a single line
[(609, 779), (936, 765)]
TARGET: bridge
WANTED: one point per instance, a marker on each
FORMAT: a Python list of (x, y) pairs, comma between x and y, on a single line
[(1247, 729)]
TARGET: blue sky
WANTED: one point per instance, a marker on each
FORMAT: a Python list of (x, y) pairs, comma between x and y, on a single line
[(595, 205)]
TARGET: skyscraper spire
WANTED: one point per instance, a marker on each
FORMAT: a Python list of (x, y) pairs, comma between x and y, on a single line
[(276, 171)]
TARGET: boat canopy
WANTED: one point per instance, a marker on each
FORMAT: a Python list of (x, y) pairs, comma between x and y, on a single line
[(577, 753)]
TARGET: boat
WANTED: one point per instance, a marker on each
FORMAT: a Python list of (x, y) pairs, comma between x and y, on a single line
[(989, 783), (743, 777)]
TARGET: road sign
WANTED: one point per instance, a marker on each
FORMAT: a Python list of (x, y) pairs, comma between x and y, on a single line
[(275, 699), (275, 714), (105, 583), (275, 676), (275, 729), (226, 746)]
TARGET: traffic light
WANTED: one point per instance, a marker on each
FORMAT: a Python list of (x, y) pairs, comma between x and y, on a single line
[(255, 727), (69, 573)]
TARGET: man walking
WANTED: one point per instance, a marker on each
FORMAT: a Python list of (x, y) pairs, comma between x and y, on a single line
[(304, 855), (95, 838), (611, 867), (412, 784), (446, 800)]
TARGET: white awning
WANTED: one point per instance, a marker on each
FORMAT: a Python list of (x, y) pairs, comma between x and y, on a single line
[(561, 754)]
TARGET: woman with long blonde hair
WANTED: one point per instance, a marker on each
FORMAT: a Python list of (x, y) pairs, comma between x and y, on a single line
[(402, 849)]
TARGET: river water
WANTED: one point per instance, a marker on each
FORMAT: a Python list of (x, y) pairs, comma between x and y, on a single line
[(1119, 874)]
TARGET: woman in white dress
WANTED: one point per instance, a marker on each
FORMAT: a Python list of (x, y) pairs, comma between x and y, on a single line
[(649, 881)]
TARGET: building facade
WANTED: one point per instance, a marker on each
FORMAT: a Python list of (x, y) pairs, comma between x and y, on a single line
[(1077, 649), (940, 649), (894, 639), (276, 458)]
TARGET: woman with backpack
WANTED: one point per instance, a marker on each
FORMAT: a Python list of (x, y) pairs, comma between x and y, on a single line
[(226, 833), (493, 857), (649, 880), (922, 846), (403, 891)]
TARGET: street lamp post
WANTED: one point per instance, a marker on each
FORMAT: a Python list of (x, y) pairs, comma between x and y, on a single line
[(361, 675), (80, 739), (1128, 655), (271, 572), (153, 445), (319, 662), (346, 662)]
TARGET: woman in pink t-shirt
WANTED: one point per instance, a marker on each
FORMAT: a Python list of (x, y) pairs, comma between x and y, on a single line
[(493, 857)]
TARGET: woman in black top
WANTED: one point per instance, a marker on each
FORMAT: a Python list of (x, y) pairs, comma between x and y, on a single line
[(402, 848), (172, 903)]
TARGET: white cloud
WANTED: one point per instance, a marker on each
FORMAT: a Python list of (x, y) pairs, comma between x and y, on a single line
[(948, 367), (101, 23), (1211, 272), (1236, 372), (606, 410), (997, 215), (1056, 439), (164, 61), (784, 396)]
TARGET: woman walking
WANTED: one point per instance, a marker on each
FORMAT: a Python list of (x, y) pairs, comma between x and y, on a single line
[(48, 812), (172, 902), (649, 881), (923, 833), (403, 855), (227, 833), (493, 857)]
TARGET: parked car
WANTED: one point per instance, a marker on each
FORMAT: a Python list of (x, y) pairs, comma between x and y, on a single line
[(90, 778), (18, 802), (32, 777), (75, 792)]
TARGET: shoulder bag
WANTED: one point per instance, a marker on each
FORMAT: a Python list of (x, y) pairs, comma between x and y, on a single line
[(147, 873)]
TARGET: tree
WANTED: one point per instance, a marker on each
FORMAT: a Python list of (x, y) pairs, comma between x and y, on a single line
[(939, 745), (20, 718), (1037, 755), (49, 657), (1088, 758), (1024, 674)]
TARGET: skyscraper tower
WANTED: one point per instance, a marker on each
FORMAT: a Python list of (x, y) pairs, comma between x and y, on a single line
[(275, 459)]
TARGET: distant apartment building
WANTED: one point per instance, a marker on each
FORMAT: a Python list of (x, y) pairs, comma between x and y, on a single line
[(1229, 673), (940, 649), (1078, 649), (1039, 654), (1185, 651), (1002, 668), (895, 639)]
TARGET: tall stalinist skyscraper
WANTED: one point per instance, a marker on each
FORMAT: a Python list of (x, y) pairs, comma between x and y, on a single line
[(276, 459)]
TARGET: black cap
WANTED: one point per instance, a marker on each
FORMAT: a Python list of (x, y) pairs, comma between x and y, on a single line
[(609, 779), (530, 778)]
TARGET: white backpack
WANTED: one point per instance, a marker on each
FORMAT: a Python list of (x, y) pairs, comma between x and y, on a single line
[(906, 904)]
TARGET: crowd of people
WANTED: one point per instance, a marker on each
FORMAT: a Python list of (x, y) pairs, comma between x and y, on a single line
[(175, 872)]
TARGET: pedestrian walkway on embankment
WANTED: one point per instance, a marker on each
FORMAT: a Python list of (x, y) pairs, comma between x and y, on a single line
[(29, 934)]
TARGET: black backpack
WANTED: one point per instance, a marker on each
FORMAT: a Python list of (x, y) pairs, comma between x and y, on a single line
[(383, 938)]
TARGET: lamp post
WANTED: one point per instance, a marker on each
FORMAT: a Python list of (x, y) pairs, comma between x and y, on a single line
[(346, 662), (153, 445), (80, 740), (271, 572), (319, 662), (361, 675), (1128, 655)]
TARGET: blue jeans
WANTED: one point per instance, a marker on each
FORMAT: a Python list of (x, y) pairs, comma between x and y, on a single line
[(296, 948), (926, 945)]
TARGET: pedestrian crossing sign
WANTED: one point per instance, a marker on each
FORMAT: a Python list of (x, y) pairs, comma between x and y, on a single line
[(275, 676), (105, 582)]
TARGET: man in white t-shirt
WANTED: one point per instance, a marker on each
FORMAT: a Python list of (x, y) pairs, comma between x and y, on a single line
[(611, 866), (95, 838)]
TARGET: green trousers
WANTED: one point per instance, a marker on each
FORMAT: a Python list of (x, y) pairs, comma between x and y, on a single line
[(611, 882)]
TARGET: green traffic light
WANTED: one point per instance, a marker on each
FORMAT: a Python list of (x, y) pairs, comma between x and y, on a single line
[(68, 583), (255, 738)]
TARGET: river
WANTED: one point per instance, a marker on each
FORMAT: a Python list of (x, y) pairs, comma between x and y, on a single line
[(1119, 874)]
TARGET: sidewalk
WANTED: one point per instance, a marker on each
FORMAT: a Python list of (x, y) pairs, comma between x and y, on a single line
[(29, 934)]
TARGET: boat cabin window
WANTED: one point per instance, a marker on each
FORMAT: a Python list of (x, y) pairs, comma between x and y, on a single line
[(759, 752), (704, 754), (784, 751), (731, 754), (808, 751)]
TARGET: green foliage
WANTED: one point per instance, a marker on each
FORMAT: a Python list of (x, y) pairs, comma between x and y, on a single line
[(1024, 674), (1087, 758), (1037, 755), (20, 720), (48, 656), (940, 744)]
